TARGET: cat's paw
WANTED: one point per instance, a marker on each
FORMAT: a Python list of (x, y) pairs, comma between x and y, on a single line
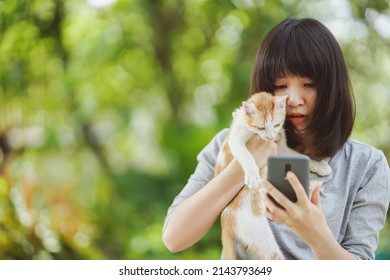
[(322, 168), (252, 180)]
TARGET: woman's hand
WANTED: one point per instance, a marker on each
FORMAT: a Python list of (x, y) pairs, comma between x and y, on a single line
[(194, 216), (261, 150), (304, 217)]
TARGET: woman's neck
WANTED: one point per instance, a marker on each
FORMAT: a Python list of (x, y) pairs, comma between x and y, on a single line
[(306, 147)]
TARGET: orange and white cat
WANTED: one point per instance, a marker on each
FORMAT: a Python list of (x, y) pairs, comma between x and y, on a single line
[(243, 220)]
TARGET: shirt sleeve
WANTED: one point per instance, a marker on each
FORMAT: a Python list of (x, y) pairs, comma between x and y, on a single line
[(203, 173), (368, 213)]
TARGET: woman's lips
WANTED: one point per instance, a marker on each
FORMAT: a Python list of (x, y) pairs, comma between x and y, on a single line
[(296, 119)]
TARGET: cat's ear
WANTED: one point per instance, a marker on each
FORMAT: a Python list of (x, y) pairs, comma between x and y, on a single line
[(280, 103), (249, 108)]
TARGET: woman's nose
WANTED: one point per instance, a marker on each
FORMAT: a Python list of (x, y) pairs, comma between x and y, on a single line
[(294, 97)]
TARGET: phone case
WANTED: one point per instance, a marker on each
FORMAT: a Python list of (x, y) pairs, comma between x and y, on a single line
[(279, 165)]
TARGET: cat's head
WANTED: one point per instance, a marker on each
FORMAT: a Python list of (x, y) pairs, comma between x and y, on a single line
[(265, 114)]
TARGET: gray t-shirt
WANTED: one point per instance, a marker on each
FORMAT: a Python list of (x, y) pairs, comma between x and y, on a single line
[(354, 197)]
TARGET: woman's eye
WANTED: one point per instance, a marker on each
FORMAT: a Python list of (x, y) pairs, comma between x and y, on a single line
[(280, 86), (309, 85)]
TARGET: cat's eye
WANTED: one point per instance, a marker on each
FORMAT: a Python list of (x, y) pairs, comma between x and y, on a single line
[(260, 128), (277, 125)]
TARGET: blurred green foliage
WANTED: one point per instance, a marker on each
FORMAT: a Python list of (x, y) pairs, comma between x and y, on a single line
[(105, 104)]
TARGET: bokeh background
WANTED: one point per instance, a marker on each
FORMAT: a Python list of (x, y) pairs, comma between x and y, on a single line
[(105, 104)]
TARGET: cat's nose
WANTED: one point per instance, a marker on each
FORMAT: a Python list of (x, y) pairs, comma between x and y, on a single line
[(271, 137)]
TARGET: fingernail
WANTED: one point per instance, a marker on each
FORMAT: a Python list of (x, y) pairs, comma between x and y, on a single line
[(288, 175)]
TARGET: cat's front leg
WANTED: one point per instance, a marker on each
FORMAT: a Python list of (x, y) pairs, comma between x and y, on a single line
[(247, 162), (252, 177)]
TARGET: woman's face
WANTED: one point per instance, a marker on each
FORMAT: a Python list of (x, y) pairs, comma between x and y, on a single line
[(301, 98)]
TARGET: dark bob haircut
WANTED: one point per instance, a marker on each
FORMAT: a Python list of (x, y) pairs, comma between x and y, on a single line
[(306, 48)]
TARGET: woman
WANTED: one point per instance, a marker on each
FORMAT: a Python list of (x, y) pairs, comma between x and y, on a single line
[(340, 219)]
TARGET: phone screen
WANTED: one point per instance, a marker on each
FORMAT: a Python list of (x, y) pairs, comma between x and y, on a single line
[(277, 168)]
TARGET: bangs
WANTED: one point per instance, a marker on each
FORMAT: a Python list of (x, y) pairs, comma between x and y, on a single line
[(294, 54)]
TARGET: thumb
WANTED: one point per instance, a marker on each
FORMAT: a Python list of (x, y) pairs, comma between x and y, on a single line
[(315, 194)]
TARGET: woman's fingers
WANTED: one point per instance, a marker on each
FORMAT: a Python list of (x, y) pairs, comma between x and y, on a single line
[(277, 195), (315, 194), (297, 186), (274, 212), (298, 189), (261, 150)]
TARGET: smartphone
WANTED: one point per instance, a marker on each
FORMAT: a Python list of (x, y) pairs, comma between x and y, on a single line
[(279, 165)]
